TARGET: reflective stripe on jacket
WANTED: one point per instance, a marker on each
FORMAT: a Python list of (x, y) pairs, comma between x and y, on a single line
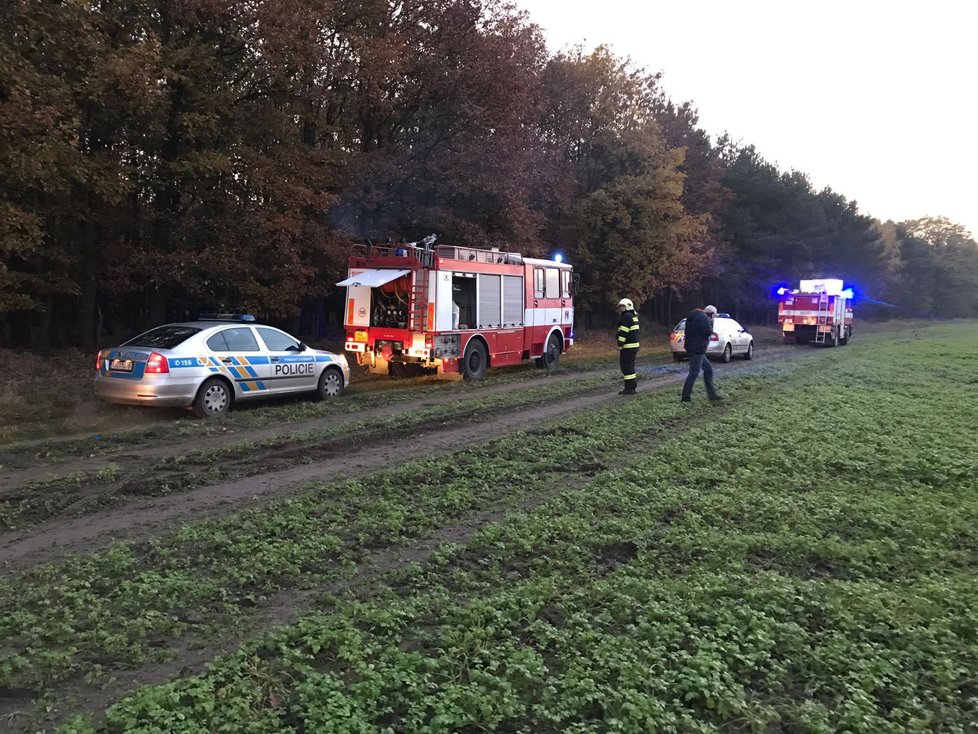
[(628, 330)]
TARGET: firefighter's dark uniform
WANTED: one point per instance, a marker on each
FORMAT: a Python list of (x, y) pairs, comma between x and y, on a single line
[(628, 349)]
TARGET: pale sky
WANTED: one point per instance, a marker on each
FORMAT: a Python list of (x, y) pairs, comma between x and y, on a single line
[(876, 99)]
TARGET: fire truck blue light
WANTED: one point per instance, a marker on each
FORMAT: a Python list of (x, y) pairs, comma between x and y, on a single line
[(829, 286)]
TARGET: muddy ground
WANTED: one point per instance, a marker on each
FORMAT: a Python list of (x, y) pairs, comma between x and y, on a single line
[(61, 502)]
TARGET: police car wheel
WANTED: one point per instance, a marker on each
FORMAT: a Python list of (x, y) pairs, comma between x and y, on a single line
[(727, 351), (213, 398), (749, 354), (330, 384)]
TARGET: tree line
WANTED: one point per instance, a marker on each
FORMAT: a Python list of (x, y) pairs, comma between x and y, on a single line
[(164, 157)]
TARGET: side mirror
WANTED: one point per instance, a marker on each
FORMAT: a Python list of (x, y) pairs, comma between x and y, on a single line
[(303, 346)]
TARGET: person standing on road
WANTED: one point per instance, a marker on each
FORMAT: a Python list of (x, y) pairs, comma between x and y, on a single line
[(627, 344), (699, 327)]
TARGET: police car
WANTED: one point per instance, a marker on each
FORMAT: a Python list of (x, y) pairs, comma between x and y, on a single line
[(209, 364)]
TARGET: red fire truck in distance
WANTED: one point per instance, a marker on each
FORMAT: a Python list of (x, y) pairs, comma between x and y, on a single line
[(422, 308), (818, 312)]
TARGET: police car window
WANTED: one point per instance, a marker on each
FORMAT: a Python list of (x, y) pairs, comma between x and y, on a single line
[(163, 337), (240, 339), (278, 341)]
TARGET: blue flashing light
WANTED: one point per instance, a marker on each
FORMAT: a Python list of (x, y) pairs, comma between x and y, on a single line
[(559, 258), (780, 289), (245, 318), (847, 293)]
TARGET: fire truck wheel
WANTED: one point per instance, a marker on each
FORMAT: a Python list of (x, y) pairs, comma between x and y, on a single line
[(475, 361), (551, 355), (727, 351), (749, 354)]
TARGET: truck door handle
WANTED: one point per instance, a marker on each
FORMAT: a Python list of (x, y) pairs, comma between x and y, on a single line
[(226, 360), (275, 359)]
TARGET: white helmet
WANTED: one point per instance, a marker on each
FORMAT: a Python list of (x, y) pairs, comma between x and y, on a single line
[(627, 303)]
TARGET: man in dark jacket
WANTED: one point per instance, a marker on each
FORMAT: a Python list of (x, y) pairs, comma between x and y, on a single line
[(699, 327), (627, 344)]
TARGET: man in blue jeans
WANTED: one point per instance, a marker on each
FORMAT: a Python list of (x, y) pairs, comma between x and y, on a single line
[(699, 327)]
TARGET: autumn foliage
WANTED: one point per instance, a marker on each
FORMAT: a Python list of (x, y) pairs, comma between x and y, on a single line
[(162, 157)]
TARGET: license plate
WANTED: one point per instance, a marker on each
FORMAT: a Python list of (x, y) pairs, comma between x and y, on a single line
[(121, 365), (360, 336)]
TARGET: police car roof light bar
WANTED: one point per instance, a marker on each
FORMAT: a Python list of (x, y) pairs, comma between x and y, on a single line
[(242, 317)]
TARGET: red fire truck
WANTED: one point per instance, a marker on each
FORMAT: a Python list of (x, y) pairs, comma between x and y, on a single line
[(421, 308), (818, 312)]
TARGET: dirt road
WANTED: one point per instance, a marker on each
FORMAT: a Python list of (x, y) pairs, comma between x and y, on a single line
[(65, 504), (91, 509)]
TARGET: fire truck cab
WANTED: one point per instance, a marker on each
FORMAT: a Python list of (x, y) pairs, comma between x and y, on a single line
[(819, 311), (417, 308)]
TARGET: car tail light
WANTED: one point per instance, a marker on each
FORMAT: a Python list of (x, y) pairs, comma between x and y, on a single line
[(98, 360), (714, 337), (157, 365)]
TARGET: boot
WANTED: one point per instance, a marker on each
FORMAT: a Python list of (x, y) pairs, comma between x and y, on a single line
[(629, 388)]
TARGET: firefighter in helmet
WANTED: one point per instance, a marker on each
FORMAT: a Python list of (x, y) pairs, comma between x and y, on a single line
[(627, 344)]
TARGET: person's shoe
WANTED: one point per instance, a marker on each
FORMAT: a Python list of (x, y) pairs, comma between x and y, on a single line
[(685, 400), (716, 398), (626, 392)]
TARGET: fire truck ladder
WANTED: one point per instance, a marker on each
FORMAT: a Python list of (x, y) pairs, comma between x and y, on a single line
[(822, 318), (418, 317)]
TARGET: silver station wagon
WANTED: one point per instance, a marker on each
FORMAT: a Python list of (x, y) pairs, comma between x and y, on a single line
[(209, 364), (729, 339)]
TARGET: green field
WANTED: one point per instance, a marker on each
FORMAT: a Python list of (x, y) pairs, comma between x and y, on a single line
[(802, 557)]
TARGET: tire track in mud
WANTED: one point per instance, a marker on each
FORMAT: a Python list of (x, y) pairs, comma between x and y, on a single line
[(143, 518), (52, 470), (71, 496), (191, 653), (11, 480)]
